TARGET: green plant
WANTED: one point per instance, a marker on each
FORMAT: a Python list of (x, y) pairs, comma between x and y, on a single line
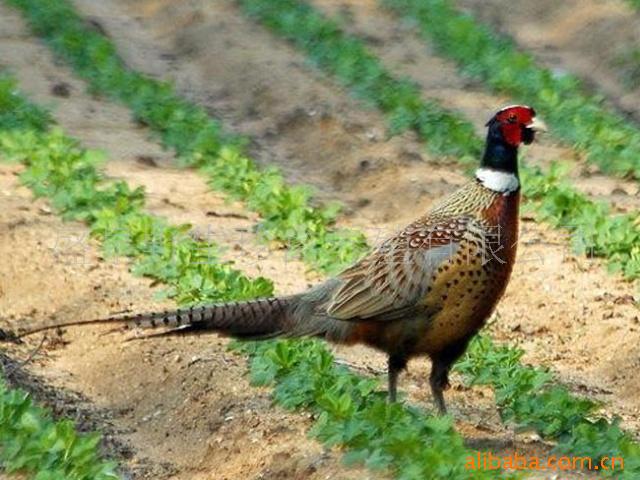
[(15, 111), (31, 441), (595, 230)]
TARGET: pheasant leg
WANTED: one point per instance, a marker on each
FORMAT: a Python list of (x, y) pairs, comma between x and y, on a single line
[(396, 365)]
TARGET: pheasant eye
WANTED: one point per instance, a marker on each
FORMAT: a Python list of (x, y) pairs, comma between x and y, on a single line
[(512, 118)]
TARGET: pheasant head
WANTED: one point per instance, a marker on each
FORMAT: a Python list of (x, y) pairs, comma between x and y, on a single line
[(507, 130)]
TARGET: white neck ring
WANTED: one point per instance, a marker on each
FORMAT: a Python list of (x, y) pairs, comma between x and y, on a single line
[(502, 182)]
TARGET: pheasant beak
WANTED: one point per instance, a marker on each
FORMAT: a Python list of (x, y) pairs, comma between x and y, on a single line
[(537, 125)]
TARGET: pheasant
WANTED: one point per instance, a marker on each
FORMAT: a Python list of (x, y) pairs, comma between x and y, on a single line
[(425, 291)]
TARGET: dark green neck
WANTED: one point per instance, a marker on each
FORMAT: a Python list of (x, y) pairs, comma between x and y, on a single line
[(498, 154)]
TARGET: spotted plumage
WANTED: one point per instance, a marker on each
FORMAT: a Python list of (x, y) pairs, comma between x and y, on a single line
[(425, 291)]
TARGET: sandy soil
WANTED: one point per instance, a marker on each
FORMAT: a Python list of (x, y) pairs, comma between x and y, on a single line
[(182, 408)]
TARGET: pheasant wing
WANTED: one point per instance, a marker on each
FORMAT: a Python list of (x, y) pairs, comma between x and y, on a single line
[(391, 281)]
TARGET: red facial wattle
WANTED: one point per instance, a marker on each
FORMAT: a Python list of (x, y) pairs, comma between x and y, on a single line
[(512, 133), (513, 120)]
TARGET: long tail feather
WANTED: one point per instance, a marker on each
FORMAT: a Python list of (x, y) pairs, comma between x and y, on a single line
[(265, 316)]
